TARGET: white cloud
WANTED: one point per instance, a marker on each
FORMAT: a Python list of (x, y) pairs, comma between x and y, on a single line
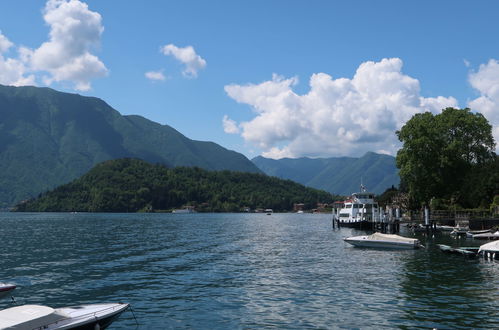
[(337, 116), (230, 126), (155, 76), (5, 43), (187, 55), (12, 71), (486, 82), (74, 32)]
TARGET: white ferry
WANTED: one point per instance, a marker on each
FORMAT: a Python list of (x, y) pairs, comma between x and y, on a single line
[(358, 211)]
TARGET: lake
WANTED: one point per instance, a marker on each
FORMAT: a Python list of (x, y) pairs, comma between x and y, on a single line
[(233, 271)]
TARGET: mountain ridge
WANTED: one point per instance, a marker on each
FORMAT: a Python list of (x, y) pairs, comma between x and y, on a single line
[(49, 138), (337, 175)]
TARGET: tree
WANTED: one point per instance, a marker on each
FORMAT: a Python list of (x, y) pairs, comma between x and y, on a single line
[(440, 151)]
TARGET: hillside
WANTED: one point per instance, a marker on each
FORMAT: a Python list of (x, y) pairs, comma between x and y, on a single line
[(49, 138), (131, 185), (340, 175)]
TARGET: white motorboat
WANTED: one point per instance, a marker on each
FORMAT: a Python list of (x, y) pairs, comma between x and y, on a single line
[(386, 241), (6, 289), (357, 211), (36, 317), (487, 235)]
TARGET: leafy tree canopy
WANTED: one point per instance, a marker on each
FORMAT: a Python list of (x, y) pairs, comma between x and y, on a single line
[(132, 185), (442, 152)]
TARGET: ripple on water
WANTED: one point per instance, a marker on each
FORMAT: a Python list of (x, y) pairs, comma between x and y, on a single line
[(241, 271)]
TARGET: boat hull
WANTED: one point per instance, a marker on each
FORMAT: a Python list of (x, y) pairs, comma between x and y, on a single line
[(6, 289), (100, 320), (356, 224), (382, 245), (93, 316), (383, 241), (100, 324)]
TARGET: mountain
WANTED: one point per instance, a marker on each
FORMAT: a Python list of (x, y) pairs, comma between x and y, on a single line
[(340, 175), (48, 138), (131, 185)]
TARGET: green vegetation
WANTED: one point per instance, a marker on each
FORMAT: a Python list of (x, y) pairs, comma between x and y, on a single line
[(448, 159), (49, 138), (340, 175), (132, 185)]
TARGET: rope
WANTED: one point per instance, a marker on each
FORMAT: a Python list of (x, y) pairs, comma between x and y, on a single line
[(136, 322)]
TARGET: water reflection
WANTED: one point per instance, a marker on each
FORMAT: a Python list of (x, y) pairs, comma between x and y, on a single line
[(447, 291), (230, 271)]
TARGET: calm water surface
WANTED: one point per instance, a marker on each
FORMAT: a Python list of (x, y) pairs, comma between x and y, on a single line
[(233, 271)]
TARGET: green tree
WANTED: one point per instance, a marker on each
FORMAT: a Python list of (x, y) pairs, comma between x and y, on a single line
[(441, 151)]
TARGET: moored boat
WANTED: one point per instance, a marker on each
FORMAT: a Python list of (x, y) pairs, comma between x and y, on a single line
[(467, 251), (486, 235), (386, 241), (6, 289), (35, 317)]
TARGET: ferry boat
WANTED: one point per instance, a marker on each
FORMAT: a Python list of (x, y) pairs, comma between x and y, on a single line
[(358, 211)]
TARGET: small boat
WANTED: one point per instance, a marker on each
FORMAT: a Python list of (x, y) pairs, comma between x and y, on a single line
[(459, 231), (269, 211), (467, 251), (185, 210), (486, 235), (95, 316), (379, 240), (445, 228), (6, 289)]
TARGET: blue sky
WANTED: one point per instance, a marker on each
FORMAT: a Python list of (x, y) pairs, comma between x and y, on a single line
[(278, 78)]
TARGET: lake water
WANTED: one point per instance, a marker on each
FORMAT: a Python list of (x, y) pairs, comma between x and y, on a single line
[(233, 271)]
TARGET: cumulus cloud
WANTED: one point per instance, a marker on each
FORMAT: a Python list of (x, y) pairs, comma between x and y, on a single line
[(12, 71), (337, 116), (486, 82), (5, 43), (230, 126), (187, 55), (74, 32), (155, 76)]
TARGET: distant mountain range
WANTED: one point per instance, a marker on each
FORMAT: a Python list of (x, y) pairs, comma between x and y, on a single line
[(342, 175), (48, 138)]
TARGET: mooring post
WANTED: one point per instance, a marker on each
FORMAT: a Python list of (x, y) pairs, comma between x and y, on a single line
[(426, 218)]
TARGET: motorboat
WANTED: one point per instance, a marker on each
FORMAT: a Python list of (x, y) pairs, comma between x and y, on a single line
[(467, 251), (37, 317), (357, 211), (486, 235), (6, 289), (471, 233), (379, 240)]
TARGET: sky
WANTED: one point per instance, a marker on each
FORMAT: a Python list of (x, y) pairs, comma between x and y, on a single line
[(278, 78)]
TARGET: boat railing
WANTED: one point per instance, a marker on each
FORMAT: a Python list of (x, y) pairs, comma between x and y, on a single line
[(94, 314)]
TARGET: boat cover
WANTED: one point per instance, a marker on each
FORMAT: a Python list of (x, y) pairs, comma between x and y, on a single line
[(489, 247), (392, 238), (28, 317)]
